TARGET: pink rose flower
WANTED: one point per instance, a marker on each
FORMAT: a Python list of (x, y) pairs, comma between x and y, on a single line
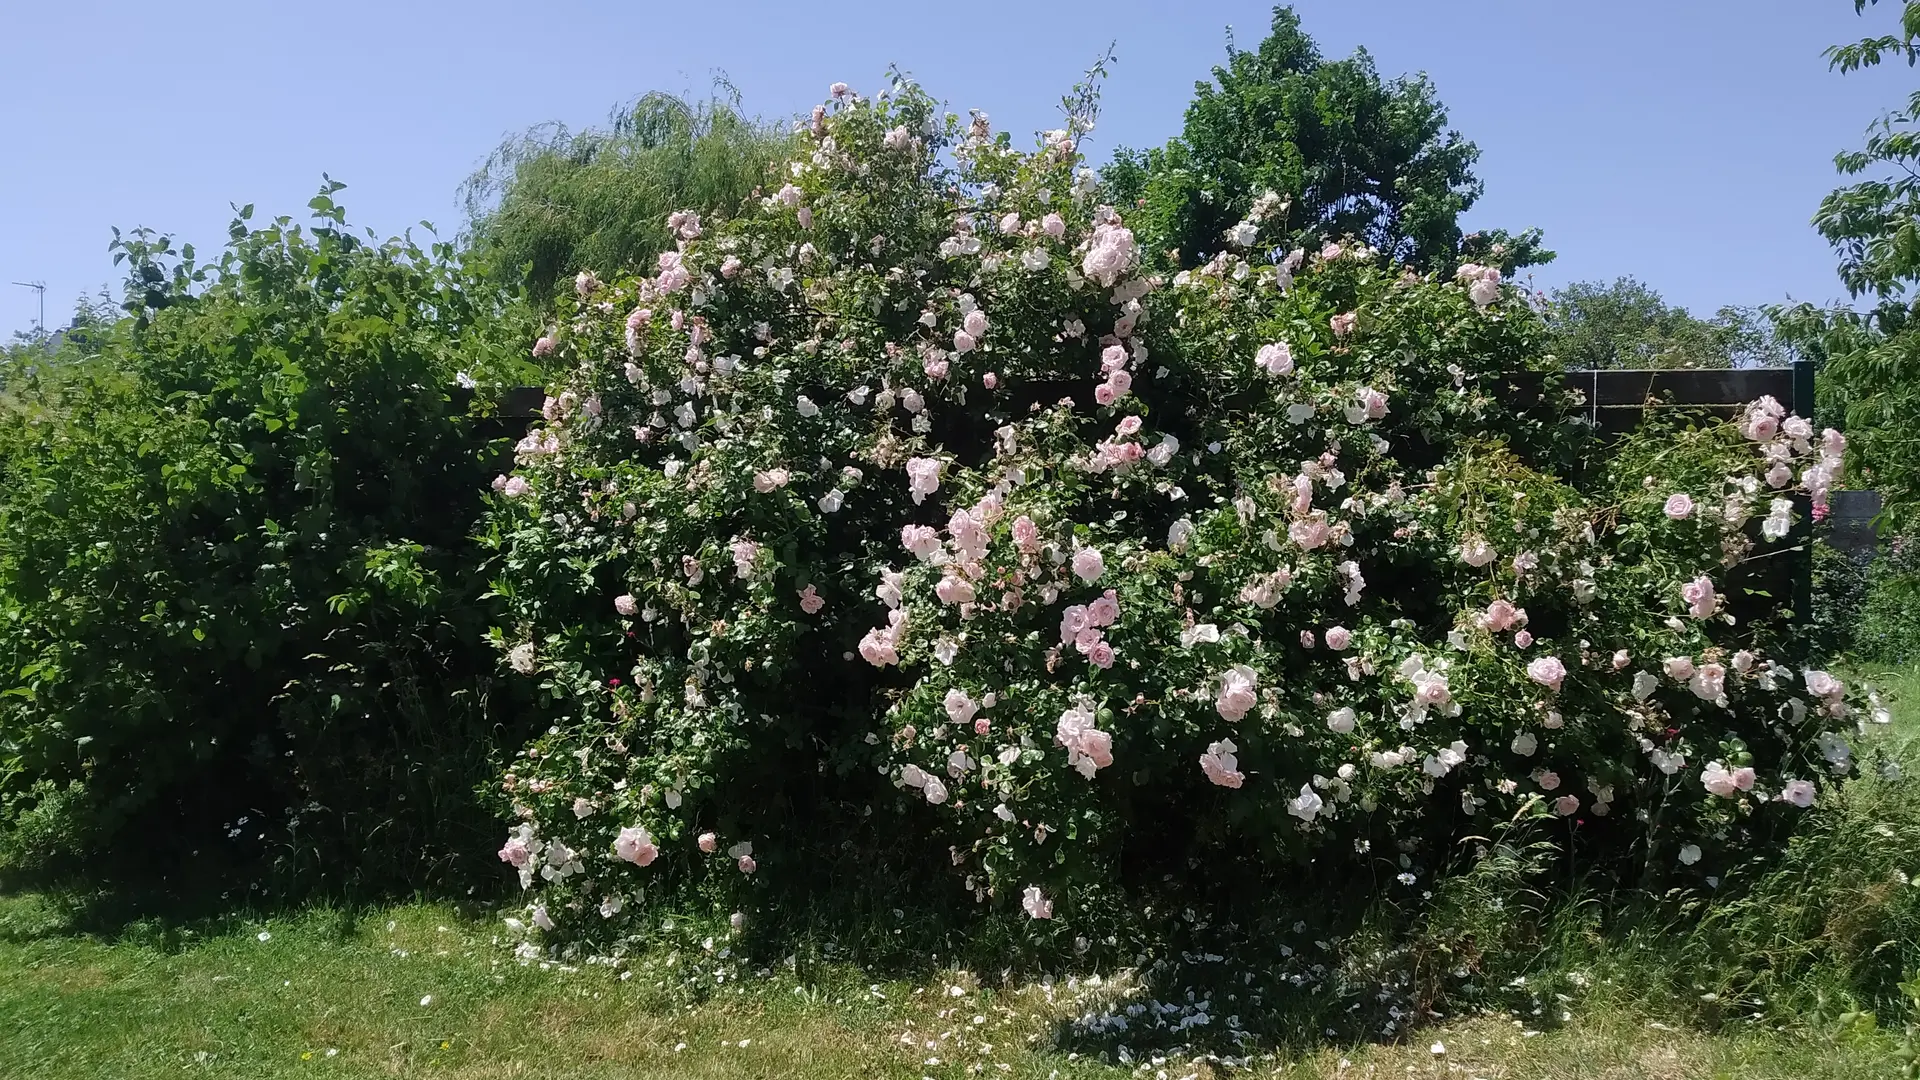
[(635, 846), (1343, 324), (1548, 671), (709, 842), (810, 601), (1089, 564), (1679, 506), (1700, 598), (1221, 766), (1237, 692), (626, 605), (1338, 638)]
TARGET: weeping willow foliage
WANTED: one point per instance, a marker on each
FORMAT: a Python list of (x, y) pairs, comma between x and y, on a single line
[(550, 201)]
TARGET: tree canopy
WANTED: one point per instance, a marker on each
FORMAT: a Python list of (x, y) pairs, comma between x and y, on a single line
[(1871, 357), (549, 201), (1357, 156), (1627, 324)]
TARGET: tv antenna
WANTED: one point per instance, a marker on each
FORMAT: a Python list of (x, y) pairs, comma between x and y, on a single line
[(41, 288)]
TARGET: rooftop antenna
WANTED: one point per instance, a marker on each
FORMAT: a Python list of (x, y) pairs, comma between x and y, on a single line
[(41, 288)]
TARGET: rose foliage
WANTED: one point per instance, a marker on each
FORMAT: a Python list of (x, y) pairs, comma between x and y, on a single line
[(910, 489)]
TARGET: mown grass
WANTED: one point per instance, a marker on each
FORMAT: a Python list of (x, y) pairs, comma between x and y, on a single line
[(420, 990), (428, 990)]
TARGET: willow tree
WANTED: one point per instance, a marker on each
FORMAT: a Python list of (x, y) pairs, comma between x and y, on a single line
[(551, 201)]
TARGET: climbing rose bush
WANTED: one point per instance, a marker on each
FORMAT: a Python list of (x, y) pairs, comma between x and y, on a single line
[(908, 485)]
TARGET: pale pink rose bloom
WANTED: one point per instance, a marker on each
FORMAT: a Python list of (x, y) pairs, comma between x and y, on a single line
[(878, 649), (1679, 506), (1547, 779), (1104, 395), (635, 846), (811, 601), (1237, 692), (1112, 358), (1372, 401), (544, 346), (1309, 534), (1477, 552), (1523, 639), (1566, 805), (962, 341), (1121, 380), (1010, 223), (1054, 225), (976, 323), (1035, 903), (960, 707), (1678, 668), (515, 852), (1089, 564), (1343, 324), (954, 589), (1717, 780), (1221, 766), (1700, 598), (1274, 358), (1500, 615), (898, 138), (709, 842), (982, 725), (1621, 658), (1548, 671), (1798, 792), (746, 864), (989, 380), (626, 605), (1743, 778), (1129, 425), (1026, 535), (839, 90), (1101, 655), (1822, 685), (744, 552), (1104, 611), (1306, 639), (1338, 638), (922, 540), (1709, 682), (923, 477)]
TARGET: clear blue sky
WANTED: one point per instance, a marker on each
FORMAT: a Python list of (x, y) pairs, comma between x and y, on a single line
[(1685, 142)]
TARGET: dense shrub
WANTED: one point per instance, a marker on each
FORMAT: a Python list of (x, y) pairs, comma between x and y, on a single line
[(239, 610), (1889, 627), (1841, 585), (909, 490)]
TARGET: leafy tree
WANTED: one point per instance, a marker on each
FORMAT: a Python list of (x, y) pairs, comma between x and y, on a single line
[(1357, 156), (550, 201), (1872, 357), (1628, 325)]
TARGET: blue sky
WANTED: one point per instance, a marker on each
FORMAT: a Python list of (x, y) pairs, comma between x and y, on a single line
[(1685, 142)]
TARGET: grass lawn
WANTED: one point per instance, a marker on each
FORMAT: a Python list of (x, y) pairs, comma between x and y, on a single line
[(423, 990)]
